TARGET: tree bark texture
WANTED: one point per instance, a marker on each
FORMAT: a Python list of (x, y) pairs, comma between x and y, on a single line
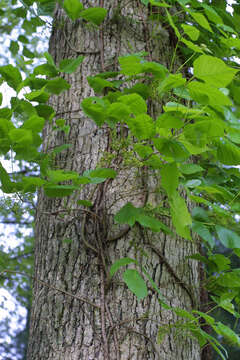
[(77, 312)]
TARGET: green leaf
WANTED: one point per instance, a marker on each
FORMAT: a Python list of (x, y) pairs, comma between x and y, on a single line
[(131, 64), (143, 150), (206, 94), (5, 127), (171, 22), (96, 15), (7, 185), (185, 314), (68, 66), (150, 222), (193, 183), (168, 121), (203, 132), (191, 31), (189, 112), (61, 175), (135, 283), (171, 148), (228, 153), (56, 86), (46, 69), (73, 8), (38, 95), (228, 334), (21, 137), (228, 238), (6, 113), (31, 183), (221, 263), (45, 111), (170, 82), (203, 231), (49, 58), (213, 71), (189, 169), (92, 179), (135, 102), (59, 190), (34, 123), (119, 263), (158, 3), (142, 126), (98, 83), (95, 108), (135, 64), (11, 75), (169, 177), (83, 180), (139, 88), (103, 173), (155, 162), (180, 216), (127, 215), (86, 203), (46, 8), (201, 20), (23, 39), (14, 47), (118, 112), (212, 14), (230, 280), (27, 53), (158, 70)]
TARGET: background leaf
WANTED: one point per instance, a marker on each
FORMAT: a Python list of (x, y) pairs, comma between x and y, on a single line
[(135, 283)]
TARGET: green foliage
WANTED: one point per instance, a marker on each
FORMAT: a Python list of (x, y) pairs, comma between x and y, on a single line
[(192, 144), (73, 8)]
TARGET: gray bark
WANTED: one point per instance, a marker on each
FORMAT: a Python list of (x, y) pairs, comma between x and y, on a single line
[(76, 313)]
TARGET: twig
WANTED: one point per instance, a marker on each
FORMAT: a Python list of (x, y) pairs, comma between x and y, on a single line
[(103, 322), (101, 41), (147, 338), (172, 272), (119, 235), (115, 338), (86, 243), (51, 287)]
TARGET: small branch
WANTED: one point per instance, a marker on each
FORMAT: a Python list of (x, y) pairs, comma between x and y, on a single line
[(115, 338), (103, 322), (119, 235), (148, 339), (174, 275), (15, 222), (67, 211), (86, 243), (101, 41), (51, 287)]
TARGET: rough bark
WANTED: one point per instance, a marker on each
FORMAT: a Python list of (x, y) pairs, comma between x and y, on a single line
[(76, 312)]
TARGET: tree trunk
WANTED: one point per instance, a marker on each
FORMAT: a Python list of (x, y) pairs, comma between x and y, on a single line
[(77, 313)]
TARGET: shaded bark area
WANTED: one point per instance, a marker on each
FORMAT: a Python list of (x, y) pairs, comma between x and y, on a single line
[(82, 314)]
